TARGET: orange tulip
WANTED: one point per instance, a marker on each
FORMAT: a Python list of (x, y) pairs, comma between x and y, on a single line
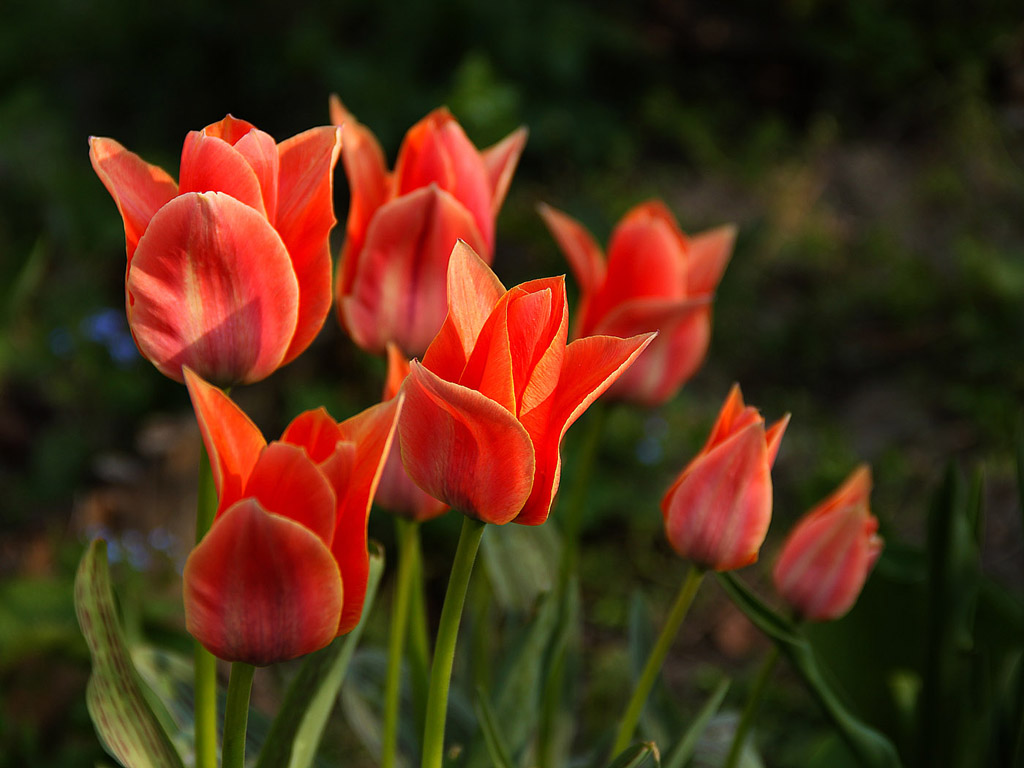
[(402, 225), (283, 569), (487, 408), (718, 509), (397, 493), (229, 271), (827, 556), (655, 279)]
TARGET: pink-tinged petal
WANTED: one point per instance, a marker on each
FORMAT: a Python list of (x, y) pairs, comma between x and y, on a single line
[(210, 164), (398, 369), (473, 291), (591, 366), (500, 160), (230, 129), (372, 432), (580, 249), (315, 431), (368, 181), (399, 291), (464, 449), (138, 188), (399, 495), (305, 216), (285, 481), (214, 290), (773, 438), (437, 151), (718, 511), (338, 111), (260, 150), (684, 336), (538, 330), (733, 417), (232, 441), (261, 588), (707, 259)]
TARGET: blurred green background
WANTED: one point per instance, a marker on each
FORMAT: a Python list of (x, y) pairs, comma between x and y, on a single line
[(871, 153)]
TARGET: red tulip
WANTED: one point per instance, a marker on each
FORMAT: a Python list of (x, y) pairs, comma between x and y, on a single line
[(827, 556), (283, 569), (718, 509), (229, 271), (497, 389), (656, 278), (397, 493), (402, 225)]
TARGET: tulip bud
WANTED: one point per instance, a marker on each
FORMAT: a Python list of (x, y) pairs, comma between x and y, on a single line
[(718, 509), (827, 556)]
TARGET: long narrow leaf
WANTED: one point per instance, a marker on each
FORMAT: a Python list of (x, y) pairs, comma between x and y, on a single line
[(644, 755), (496, 747), (684, 749), (295, 735), (118, 706)]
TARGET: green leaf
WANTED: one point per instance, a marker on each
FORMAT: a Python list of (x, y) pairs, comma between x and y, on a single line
[(661, 715), (496, 747), (126, 724), (872, 747), (644, 755), (295, 735), (684, 749)]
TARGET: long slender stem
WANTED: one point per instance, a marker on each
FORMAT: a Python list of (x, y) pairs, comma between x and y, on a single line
[(654, 662), (750, 709), (205, 665), (447, 633), (573, 518), (236, 714), (405, 534), (419, 641)]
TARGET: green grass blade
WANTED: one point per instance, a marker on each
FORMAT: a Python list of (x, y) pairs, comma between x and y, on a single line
[(684, 749)]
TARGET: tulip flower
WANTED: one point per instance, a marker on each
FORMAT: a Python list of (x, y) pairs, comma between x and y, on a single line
[(827, 556), (402, 225), (498, 387), (283, 569), (655, 279), (718, 509), (229, 270)]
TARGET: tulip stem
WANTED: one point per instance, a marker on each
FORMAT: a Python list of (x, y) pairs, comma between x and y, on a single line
[(407, 539), (444, 650), (236, 714), (205, 665), (419, 640), (654, 662), (739, 737)]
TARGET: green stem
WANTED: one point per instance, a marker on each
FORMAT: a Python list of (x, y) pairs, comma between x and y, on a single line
[(654, 662), (750, 709), (573, 519), (419, 641), (444, 651), (236, 714), (406, 536), (205, 665)]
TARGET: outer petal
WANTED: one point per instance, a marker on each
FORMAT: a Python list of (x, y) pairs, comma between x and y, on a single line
[(464, 449), (260, 588), (371, 431), (708, 256), (398, 294), (718, 512), (210, 164), (305, 216), (580, 248), (673, 358), (138, 188), (591, 366), (500, 160), (233, 442), (260, 150), (315, 431), (214, 290), (230, 129)]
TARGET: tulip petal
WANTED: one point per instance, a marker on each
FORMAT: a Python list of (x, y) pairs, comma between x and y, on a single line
[(500, 160), (673, 358), (591, 366), (214, 290), (398, 369), (538, 373), (260, 150), (138, 188), (368, 182), (285, 481), (580, 248), (232, 441), (305, 216), (733, 417), (371, 432), (315, 431), (261, 588), (399, 291), (464, 449), (473, 291), (210, 164), (707, 259), (230, 129), (773, 437)]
